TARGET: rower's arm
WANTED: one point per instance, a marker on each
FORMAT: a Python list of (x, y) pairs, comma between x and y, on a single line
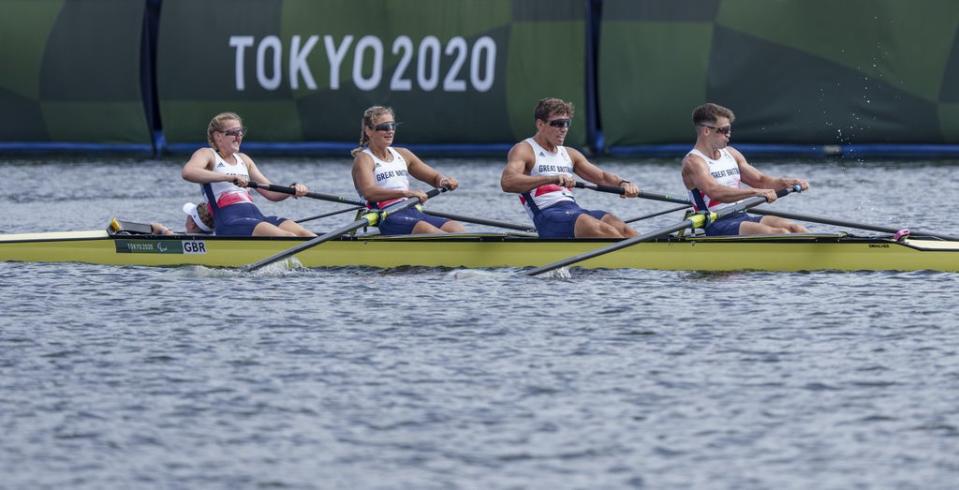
[(588, 171), (420, 170), (753, 177), (198, 169), (258, 177), (696, 176), (516, 176)]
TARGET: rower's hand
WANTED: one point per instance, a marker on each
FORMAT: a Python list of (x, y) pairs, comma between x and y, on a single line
[(300, 190), (789, 182), (632, 190), (564, 180), (448, 183), (418, 194), (159, 229), (769, 194), (240, 182)]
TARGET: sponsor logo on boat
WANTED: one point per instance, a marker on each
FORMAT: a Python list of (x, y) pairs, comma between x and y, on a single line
[(161, 247)]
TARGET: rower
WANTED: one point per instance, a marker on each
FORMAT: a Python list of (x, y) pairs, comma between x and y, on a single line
[(199, 221), (713, 171), (540, 169), (380, 176), (225, 174)]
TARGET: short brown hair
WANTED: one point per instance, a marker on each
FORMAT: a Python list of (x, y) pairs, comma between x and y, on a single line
[(709, 112), (552, 106)]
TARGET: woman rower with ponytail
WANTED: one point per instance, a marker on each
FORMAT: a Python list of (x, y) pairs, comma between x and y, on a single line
[(380, 175), (224, 174)]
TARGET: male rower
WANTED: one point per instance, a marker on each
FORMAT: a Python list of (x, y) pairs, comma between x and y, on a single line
[(540, 169), (713, 170)]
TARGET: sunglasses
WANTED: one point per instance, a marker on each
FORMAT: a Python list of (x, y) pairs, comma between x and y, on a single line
[(561, 123), (725, 130), (234, 133), (387, 126)]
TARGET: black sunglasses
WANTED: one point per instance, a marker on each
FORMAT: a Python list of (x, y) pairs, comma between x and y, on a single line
[(233, 133), (561, 123), (723, 130), (387, 126)]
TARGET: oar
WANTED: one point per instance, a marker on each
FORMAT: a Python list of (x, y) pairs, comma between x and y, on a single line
[(332, 213), (333, 198), (695, 220), (653, 215), (481, 221), (368, 219), (847, 224), (641, 195)]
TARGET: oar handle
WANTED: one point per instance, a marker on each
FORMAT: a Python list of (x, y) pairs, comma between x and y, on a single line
[(642, 195), (313, 195)]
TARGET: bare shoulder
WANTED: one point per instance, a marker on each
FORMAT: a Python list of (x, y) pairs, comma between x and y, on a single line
[(521, 150), (246, 159), (574, 154), (404, 152), (692, 160), (362, 159), (736, 154)]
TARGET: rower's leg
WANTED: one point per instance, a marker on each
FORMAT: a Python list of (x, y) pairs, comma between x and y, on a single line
[(589, 227), (296, 228), (784, 224), (268, 229), (453, 227), (620, 225), (425, 227), (770, 225)]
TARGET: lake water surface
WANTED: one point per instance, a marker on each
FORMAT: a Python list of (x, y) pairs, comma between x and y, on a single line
[(136, 377)]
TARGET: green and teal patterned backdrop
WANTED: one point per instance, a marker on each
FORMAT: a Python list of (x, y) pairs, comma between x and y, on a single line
[(794, 71), (71, 71)]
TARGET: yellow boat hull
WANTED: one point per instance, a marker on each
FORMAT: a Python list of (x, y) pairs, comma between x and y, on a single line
[(769, 253)]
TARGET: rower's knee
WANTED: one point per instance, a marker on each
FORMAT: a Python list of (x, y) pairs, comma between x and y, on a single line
[(453, 227)]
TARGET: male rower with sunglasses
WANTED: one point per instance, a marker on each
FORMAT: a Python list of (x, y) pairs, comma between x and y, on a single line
[(540, 169), (713, 171)]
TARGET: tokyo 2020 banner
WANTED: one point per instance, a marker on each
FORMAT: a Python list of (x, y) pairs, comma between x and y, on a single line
[(467, 71)]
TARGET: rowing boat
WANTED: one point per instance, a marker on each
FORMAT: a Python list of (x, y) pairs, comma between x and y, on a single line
[(805, 252)]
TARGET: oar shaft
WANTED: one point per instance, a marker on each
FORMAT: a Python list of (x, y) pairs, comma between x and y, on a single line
[(367, 219), (331, 213), (653, 215), (847, 224), (333, 198), (480, 221), (695, 220), (641, 195), (313, 195)]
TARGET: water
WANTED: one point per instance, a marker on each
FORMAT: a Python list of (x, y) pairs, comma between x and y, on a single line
[(135, 377)]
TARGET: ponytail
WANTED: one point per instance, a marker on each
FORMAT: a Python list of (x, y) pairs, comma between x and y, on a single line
[(368, 116)]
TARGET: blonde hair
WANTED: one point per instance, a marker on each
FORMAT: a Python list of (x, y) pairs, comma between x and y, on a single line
[(216, 124), (368, 116), (203, 211)]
